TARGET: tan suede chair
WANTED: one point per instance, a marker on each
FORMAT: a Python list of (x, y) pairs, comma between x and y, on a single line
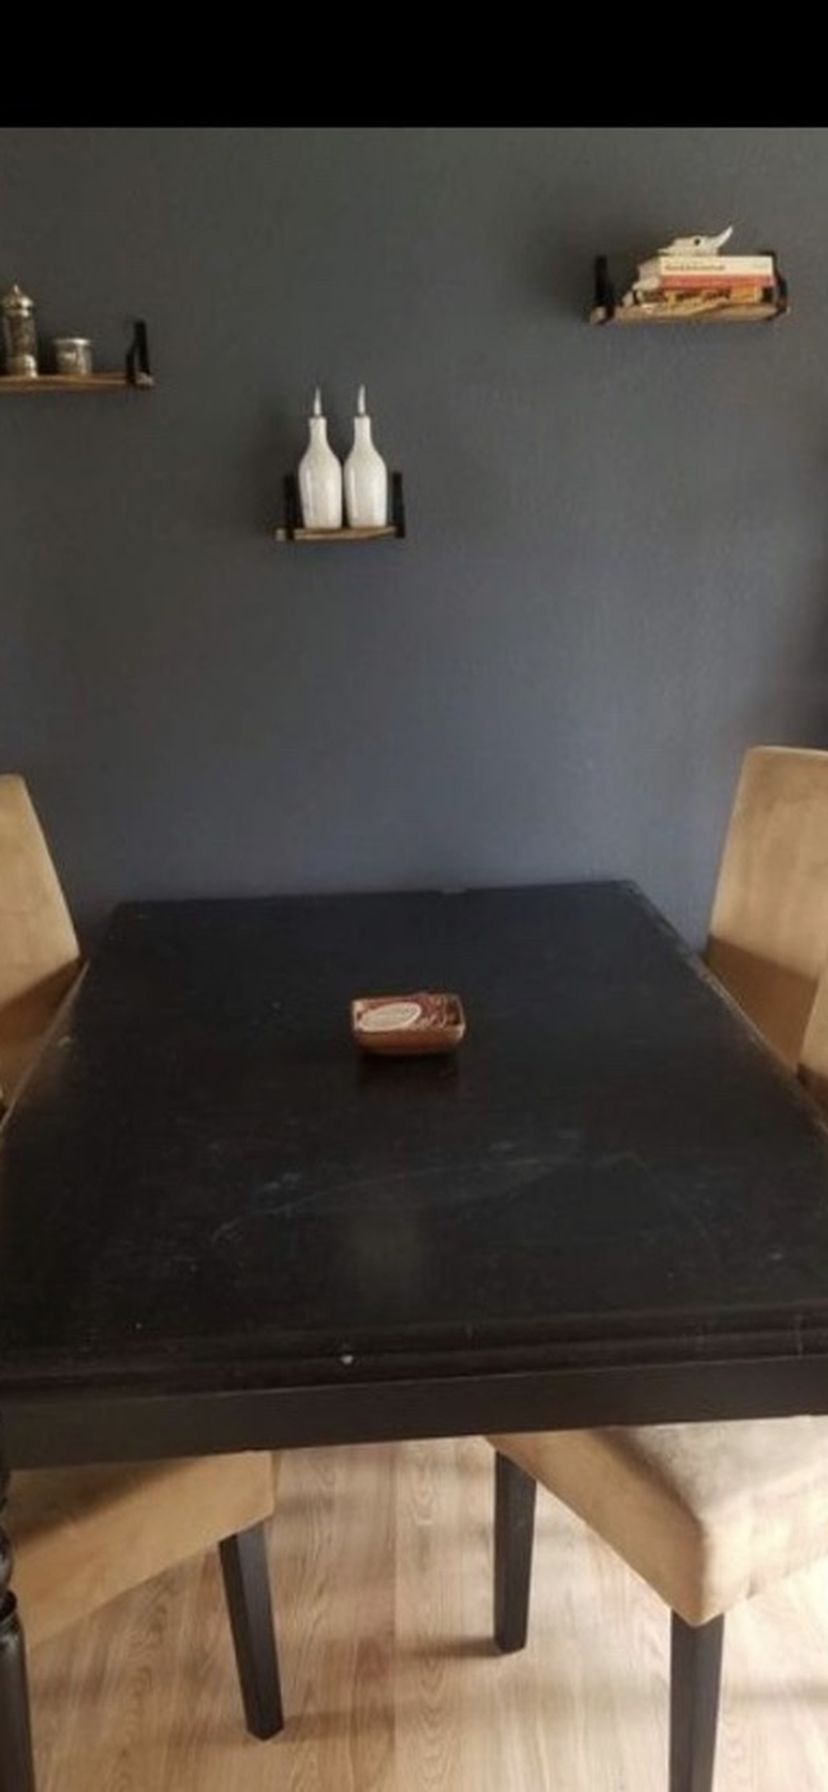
[(39, 953), (84, 1535), (709, 1514), (769, 926)]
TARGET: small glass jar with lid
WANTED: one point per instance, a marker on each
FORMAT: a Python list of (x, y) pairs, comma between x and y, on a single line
[(19, 334), (73, 356)]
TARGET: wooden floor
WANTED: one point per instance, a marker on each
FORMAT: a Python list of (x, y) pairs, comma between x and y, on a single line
[(381, 1564)]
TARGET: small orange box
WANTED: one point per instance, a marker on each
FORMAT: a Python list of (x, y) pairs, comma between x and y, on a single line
[(403, 1026)]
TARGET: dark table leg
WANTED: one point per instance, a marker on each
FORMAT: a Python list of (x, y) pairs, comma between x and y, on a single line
[(16, 1763), (515, 1494), (695, 1678), (246, 1574)]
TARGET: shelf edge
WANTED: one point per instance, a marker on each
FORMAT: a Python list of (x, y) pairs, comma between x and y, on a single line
[(310, 537)]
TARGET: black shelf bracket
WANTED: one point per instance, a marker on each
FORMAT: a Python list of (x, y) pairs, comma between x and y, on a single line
[(780, 284), (604, 289), (398, 505), (137, 362), (293, 512)]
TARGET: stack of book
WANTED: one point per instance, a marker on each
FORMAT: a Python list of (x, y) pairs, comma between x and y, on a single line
[(686, 279)]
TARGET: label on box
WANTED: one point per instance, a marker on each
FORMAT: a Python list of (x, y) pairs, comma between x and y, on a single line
[(389, 1016)]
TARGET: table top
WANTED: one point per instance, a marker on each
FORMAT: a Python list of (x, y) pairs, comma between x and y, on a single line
[(204, 1183)]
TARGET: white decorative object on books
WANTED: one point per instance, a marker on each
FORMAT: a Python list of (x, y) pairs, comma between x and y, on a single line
[(366, 476), (320, 475), (698, 245)]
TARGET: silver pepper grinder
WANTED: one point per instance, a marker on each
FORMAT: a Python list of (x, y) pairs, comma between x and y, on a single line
[(19, 334)]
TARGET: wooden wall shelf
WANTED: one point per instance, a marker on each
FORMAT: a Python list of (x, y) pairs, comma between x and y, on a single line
[(606, 309), (292, 530), (135, 377), (732, 314), (308, 535), (68, 382)]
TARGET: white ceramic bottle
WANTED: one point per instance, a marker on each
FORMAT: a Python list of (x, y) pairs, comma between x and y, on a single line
[(320, 475), (366, 476)]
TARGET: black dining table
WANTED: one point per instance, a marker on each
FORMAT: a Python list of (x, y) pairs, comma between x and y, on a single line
[(222, 1227)]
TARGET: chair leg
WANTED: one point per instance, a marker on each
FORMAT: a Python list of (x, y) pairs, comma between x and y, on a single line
[(515, 1494), (244, 1567), (695, 1678), (16, 1762)]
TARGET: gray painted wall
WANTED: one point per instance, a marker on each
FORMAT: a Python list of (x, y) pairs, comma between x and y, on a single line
[(617, 567)]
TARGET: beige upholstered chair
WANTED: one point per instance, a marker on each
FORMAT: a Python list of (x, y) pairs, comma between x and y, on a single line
[(39, 954), (84, 1535), (769, 926), (709, 1514)]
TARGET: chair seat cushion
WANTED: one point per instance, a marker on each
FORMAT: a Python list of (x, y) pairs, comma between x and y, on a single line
[(707, 1514), (81, 1536)]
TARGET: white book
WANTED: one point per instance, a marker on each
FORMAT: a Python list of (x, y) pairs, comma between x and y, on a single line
[(743, 267)]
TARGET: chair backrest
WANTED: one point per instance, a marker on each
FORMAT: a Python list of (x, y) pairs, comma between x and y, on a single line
[(769, 927), (39, 954)]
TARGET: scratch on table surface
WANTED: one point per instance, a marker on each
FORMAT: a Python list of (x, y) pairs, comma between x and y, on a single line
[(702, 1231), (664, 1190), (290, 1203), (279, 1198)]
